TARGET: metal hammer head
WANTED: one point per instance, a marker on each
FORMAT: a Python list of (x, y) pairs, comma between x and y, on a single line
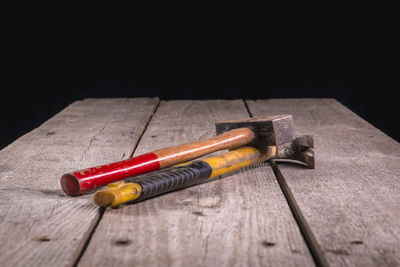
[(276, 131), (300, 149)]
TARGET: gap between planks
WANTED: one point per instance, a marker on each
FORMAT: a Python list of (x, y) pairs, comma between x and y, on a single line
[(102, 209), (144, 129), (305, 229), (309, 238)]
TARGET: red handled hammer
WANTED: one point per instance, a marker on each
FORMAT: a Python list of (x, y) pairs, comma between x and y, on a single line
[(260, 132)]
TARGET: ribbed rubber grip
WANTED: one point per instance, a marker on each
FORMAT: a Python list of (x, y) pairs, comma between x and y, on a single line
[(173, 179)]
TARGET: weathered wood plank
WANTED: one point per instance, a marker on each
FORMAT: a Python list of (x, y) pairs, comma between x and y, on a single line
[(39, 225), (352, 199), (240, 220)]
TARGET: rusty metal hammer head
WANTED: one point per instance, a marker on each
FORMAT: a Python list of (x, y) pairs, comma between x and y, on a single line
[(276, 131)]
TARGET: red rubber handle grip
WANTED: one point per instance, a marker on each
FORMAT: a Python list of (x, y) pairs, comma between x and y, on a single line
[(86, 180)]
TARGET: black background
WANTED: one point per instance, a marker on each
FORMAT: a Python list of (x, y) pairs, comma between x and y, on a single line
[(46, 72)]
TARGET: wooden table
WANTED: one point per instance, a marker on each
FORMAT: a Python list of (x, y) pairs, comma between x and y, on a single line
[(345, 212)]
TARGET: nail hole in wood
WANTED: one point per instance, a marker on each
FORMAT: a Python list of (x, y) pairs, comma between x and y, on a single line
[(268, 244), (198, 213), (122, 242), (51, 133), (42, 239), (338, 251), (357, 242)]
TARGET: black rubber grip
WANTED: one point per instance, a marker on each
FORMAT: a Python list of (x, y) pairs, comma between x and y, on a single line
[(172, 179)]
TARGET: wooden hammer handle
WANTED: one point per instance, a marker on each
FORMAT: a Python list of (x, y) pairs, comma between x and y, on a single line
[(177, 154), (86, 180)]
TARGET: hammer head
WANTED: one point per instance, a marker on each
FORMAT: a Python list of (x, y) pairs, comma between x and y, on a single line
[(269, 130), (276, 130)]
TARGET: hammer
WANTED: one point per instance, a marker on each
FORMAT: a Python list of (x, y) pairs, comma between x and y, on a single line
[(259, 132), (199, 171)]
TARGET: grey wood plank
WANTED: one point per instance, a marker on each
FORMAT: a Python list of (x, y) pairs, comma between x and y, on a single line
[(240, 220), (39, 224), (351, 201)]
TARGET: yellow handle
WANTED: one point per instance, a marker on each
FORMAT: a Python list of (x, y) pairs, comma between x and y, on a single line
[(117, 193), (237, 159)]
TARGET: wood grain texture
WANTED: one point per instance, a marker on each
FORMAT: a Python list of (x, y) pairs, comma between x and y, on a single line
[(39, 224), (240, 220), (352, 199)]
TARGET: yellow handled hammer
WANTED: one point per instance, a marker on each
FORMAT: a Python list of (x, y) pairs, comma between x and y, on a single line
[(199, 171)]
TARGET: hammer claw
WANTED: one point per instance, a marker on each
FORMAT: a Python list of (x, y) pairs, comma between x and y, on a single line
[(308, 157), (301, 149)]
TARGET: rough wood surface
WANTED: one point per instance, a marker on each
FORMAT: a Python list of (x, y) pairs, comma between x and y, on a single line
[(39, 224), (240, 220), (351, 201)]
